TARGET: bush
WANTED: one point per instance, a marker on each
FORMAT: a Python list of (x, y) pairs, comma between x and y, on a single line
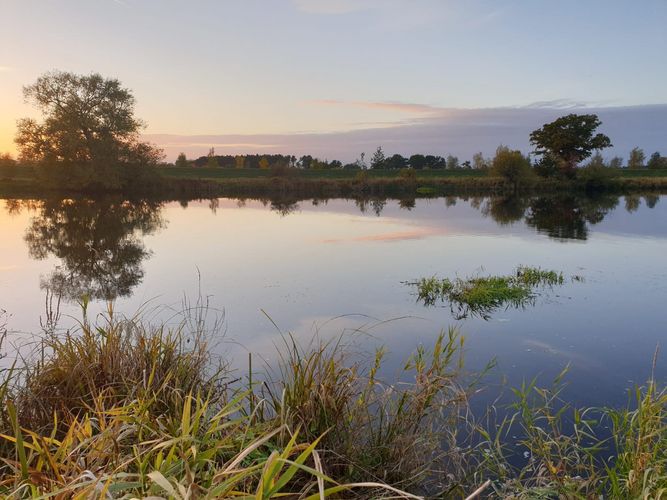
[(595, 177), (512, 166)]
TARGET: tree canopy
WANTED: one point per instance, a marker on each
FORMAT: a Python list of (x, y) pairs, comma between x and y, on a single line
[(87, 119), (569, 140), (512, 166)]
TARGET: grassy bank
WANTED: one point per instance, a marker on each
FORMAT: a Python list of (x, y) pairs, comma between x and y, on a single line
[(120, 409), (213, 182)]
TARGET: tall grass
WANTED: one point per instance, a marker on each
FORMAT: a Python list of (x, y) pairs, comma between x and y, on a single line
[(577, 453), (401, 433), (123, 410)]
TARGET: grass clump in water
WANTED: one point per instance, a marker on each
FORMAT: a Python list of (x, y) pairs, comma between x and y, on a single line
[(481, 295)]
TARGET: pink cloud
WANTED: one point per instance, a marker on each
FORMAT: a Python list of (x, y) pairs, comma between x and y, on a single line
[(392, 236), (401, 107)]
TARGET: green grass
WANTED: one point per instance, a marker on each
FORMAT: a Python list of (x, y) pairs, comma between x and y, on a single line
[(482, 295), (322, 424), (230, 173), (577, 453), (123, 409)]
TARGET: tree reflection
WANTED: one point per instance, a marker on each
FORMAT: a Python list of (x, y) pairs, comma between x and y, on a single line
[(98, 243), (563, 216), (506, 210)]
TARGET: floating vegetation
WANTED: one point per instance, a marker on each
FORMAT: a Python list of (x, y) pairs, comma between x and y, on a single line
[(482, 295)]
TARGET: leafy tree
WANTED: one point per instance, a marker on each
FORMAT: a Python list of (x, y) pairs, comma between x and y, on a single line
[(211, 159), (318, 164), (87, 119), (656, 161), (595, 175), (305, 161), (182, 161), (335, 164), (479, 162), (616, 162), (378, 158), (569, 140), (596, 161), (435, 162), (512, 166), (636, 158), (239, 161), (396, 162), (361, 161), (417, 161), (452, 162), (264, 163)]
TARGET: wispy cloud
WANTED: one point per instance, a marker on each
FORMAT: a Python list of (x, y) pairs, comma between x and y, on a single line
[(400, 15), (392, 236), (461, 132), (401, 107), (4, 69)]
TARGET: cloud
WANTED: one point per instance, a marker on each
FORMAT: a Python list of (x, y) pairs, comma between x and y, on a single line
[(402, 15), (4, 69), (418, 234), (461, 132), (401, 107)]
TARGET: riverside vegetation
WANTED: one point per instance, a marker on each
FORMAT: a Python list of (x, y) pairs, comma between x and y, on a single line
[(89, 142), (121, 409), (481, 295)]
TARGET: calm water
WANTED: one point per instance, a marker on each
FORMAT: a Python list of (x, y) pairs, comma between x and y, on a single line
[(337, 265)]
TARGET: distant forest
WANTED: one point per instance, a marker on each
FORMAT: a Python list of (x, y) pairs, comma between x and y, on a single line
[(378, 161), (636, 159)]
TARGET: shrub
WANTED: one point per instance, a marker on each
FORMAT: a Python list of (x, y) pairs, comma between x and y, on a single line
[(512, 166)]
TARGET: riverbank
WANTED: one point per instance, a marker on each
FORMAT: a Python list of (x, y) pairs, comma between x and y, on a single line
[(191, 183), (124, 409)]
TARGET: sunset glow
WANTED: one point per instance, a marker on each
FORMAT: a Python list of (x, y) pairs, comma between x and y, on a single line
[(292, 68)]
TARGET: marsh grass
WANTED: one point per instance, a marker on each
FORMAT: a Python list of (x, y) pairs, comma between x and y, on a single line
[(402, 433), (577, 453), (119, 409), (482, 295), (165, 421)]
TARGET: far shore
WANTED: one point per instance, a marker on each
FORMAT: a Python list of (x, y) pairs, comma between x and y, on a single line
[(193, 182)]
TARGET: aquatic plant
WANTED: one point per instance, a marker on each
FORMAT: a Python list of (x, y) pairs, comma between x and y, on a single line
[(548, 448), (481, 295)]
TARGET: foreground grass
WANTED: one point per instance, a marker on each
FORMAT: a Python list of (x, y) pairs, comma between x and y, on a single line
[(123, 410), (481, 295)]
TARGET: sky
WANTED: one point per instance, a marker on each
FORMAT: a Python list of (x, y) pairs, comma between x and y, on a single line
[(337, 78)]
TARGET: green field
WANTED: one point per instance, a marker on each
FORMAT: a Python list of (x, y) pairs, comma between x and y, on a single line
[(229, 173)]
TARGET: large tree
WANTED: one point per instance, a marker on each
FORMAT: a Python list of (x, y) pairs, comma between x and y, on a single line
[(87, 119), (569, 140)]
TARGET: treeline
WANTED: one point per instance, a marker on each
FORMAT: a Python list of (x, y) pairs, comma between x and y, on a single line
[(378, 161), (636, 160)]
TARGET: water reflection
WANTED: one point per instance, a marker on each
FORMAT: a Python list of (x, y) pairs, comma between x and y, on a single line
[(99, 244), (560, 216)]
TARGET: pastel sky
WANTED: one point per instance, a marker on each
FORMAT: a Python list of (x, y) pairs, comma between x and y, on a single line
[(334, 78)]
